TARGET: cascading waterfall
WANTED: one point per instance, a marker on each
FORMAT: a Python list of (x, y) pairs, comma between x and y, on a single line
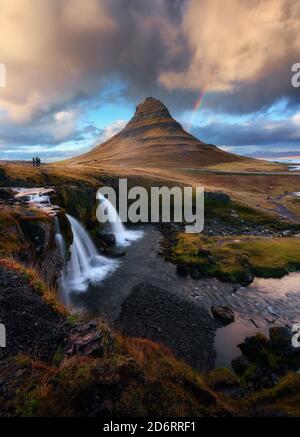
[(86, 265), (123, 236)]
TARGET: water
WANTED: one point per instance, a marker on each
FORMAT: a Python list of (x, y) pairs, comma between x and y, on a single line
[(123, 236), (39, 198), (86, 266)]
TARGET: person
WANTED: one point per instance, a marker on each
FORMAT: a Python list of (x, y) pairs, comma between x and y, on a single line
[(38, 161), (33, 162)]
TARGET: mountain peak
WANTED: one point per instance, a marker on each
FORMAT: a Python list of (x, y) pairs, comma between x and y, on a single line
[(150, 112)]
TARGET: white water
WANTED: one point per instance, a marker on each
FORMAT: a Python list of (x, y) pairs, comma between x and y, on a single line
[(123, 236), (39, 198), (86, 266)]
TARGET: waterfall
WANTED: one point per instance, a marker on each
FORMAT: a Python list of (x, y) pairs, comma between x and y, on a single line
[(60, 242), (86, 265), (123, 236), (39, 198)]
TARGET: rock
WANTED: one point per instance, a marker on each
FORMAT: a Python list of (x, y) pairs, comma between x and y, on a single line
[(89, 340), (240, 364), (186, 329), (6, 193), (108, 239), (223, 314)]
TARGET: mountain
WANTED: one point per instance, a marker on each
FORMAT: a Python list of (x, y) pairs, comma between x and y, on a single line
[(152, 138)]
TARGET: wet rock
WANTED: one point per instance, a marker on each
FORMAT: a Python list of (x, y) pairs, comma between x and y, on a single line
[(223, 313), (108, 239)]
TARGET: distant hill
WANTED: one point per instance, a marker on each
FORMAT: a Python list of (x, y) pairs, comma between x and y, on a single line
[(152, 138)]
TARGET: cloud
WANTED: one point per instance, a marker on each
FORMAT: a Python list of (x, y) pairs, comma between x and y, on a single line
[(262, 133), (112, 129), (54, 51), (242, 52), (61, 57)]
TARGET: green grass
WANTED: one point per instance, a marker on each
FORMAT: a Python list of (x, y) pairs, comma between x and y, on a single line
[(234, 259)]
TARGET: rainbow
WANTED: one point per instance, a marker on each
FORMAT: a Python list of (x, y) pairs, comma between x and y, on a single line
[(196, 108)]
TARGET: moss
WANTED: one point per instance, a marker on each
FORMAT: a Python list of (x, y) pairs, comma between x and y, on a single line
[(222, 378), (282, 399), (236, 259)]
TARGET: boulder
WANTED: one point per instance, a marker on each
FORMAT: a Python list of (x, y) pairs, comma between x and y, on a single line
[(108, 239), (223, 313)]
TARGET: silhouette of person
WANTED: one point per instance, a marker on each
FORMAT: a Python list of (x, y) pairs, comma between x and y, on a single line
[(33, 162), (37, 160)]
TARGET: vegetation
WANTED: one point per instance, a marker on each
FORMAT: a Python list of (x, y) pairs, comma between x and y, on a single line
[(235, 258), (282, 400)]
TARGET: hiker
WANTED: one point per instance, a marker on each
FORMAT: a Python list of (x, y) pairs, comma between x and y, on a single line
[(33, 162), (38, 161)]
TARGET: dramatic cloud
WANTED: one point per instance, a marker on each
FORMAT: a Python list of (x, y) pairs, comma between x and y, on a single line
[(243, 51), (57, 51), (64, 57)]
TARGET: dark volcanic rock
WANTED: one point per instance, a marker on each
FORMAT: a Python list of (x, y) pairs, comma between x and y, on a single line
[(108, 239), (32, 327), (187, 329), (223, 313)]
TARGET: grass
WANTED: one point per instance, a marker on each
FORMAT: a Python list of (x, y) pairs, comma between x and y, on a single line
[(283, 399), (233, 259), (137, 378), (11, 240)]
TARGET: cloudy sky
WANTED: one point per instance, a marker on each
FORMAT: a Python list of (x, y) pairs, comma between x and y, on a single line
[(75, 70)]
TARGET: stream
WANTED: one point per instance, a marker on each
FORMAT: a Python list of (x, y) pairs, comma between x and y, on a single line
[(264, 303), (97, 285)]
